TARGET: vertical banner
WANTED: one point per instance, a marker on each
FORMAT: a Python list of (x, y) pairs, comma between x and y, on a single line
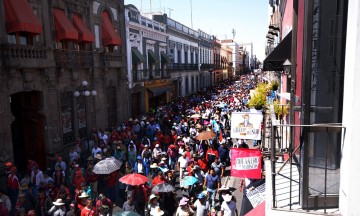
[(246, 125), (246, 163)]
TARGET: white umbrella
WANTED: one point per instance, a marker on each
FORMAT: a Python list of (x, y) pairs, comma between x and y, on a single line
[(107, 166)]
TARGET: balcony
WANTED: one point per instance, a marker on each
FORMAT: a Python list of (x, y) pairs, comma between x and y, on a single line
[(305, 172), (110, 59), (145, 75), (24, 56), (183, 67), (74, 59)]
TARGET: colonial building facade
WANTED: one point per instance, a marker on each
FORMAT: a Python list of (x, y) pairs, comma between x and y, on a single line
[(183, 49), (148, 74), (62, 73)]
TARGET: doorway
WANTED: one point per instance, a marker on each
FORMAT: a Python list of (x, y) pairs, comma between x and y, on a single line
[(28, 128), (135, 104)]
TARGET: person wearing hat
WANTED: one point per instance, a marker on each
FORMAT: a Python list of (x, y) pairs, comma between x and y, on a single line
[(80, 201), (201, 205), (153, 203), (184, 208), (130, 205), (157, 152), (140, 166), (157, 212), (146, 154), (228, 206)]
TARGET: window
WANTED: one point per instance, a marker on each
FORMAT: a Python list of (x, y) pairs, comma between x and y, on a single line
[(20, 38), (179, 56), (186, 57), (67, 116)]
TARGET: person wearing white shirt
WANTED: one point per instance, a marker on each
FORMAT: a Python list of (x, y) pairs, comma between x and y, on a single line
[(182, 164), (228, 207), (95, 150), (36, 178)]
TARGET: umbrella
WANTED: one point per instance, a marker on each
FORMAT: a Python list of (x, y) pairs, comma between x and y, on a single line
[(196, 116), (163, 188), (134, 179), (107, 166), (127, 213), (205, 135), (189, 180)]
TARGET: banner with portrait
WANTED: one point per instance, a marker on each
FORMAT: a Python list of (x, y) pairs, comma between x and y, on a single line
[(246, 125)]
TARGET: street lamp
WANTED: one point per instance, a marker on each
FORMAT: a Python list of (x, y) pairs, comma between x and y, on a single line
[(83, 90), (287, 67)]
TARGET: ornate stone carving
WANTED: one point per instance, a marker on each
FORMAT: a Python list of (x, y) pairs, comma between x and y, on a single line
[(179, 46), (186, 48), (172, 44)]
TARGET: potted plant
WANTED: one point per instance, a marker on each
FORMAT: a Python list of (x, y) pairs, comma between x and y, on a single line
[(280, 110), (258, 100)]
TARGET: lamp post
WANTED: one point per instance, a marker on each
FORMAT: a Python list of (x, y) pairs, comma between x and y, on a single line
[(84, 90)]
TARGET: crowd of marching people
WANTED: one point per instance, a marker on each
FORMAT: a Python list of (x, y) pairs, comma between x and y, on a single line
[(181, 146)]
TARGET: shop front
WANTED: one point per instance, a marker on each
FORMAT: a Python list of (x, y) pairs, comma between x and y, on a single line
[(158, 92)]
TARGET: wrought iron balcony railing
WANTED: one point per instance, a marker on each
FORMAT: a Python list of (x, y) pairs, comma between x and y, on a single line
[(185, 67), (147, 74), (74, 58), (305, 164)]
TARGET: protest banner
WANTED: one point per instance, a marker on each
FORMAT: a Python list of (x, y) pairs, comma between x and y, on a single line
[(246, 125), (246, 163), (256, 195)]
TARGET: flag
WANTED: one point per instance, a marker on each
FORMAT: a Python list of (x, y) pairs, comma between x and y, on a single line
[(246, 163)]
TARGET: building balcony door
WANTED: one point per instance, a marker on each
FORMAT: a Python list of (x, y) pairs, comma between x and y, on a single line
[(28, 128)]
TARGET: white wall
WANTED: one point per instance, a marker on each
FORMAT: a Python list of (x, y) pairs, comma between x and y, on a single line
[(350, 166)]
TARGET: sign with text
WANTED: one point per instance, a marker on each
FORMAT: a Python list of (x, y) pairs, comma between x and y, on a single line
[(246, 163), (246, 125), (257, 195)]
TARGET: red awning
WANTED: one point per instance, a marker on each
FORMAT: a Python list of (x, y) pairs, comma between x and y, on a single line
[(109, 35), (63, 27), (258, 210), (85, 35), (20, 17)]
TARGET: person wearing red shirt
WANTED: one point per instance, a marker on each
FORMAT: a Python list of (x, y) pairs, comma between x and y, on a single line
[(211, 154), (103, 205), (166, 141), (158, 179), (78, 179), (114, 136), (110, 183), (202, 162), (190, 168), (92, 178), (12, 183), (88, 210)]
